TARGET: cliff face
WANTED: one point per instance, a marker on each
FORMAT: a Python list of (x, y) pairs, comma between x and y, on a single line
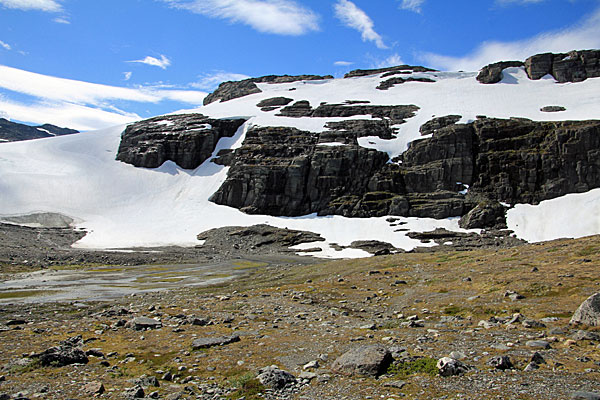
[(284, 171), (187, 139)]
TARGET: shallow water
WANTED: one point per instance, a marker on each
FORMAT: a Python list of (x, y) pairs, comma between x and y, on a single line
[(105, 283)]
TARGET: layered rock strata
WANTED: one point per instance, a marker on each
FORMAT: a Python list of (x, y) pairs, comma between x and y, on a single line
[(186, 139)]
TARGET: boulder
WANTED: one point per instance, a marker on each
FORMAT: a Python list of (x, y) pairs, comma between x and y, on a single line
[(588, 312), (575, 66), (142, 323), (484, 215), (585, 396), (451, 367), (501, 362), (204, 343), (367, 360), (274, 378), (66, 353)]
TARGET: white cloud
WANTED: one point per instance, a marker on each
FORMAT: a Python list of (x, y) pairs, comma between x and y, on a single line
[(77, 104), (353, 17), (585, 35), (163, 62), (391, 61), (282, 17), (127, 75), (62, 20), (343, 63), (5, 46), (211, 81), (412, 5), (41, 5)]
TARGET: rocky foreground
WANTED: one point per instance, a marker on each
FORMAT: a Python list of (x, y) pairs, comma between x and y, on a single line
[(484, 324)]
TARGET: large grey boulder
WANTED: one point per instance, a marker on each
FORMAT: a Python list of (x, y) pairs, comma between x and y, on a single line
[(275, 378), (368, 360), (588, 312), (142, 323)]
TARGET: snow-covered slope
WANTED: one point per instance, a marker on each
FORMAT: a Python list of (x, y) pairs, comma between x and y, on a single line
[(123, 206)]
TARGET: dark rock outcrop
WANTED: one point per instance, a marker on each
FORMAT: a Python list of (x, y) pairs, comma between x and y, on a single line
[(493, 73), (236, 89), (433, 125), (387, 84), (553, 109), (186, 139), (273, 103), (575, 66), (388, 71), (13, 132), (397, 114), (284, 171)]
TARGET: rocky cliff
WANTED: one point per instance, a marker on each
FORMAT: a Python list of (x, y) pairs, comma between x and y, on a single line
[(186, 139), (285, 171), (12, 131)]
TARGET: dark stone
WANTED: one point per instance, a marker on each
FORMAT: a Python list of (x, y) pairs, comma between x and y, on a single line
[(186, 139), (205, 343), (493, 73), (299, 109), (369, 360), (66, 353), (233, 90), (388, 71), (273, 103), (539, 65), (553, 109), (302, 108), (585, 396), (501, 362), (385, 85), (13, 132)]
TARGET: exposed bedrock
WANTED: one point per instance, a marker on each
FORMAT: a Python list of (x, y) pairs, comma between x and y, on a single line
[(285, 171), (397, 114), (186, 139), (236, 89), (388, 71), (575, 66)]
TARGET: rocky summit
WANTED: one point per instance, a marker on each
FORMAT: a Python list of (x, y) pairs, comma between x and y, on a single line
[(13, 132)]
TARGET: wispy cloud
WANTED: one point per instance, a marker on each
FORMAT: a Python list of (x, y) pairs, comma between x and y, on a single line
[(391, 61), (5, 45), (211, 81), (282, 17), (355, 18), (343, 63), (78, 104), (62, 20), (27, 5), (412, 5), (584, 35), (127, 75), (163, 62)]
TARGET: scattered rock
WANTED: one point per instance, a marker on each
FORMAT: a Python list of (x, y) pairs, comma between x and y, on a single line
[(538, 344), (586, 335), (368, 360), (585, 396), (94, 388)]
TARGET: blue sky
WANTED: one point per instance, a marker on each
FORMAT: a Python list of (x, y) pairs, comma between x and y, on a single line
[(121, 60)]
